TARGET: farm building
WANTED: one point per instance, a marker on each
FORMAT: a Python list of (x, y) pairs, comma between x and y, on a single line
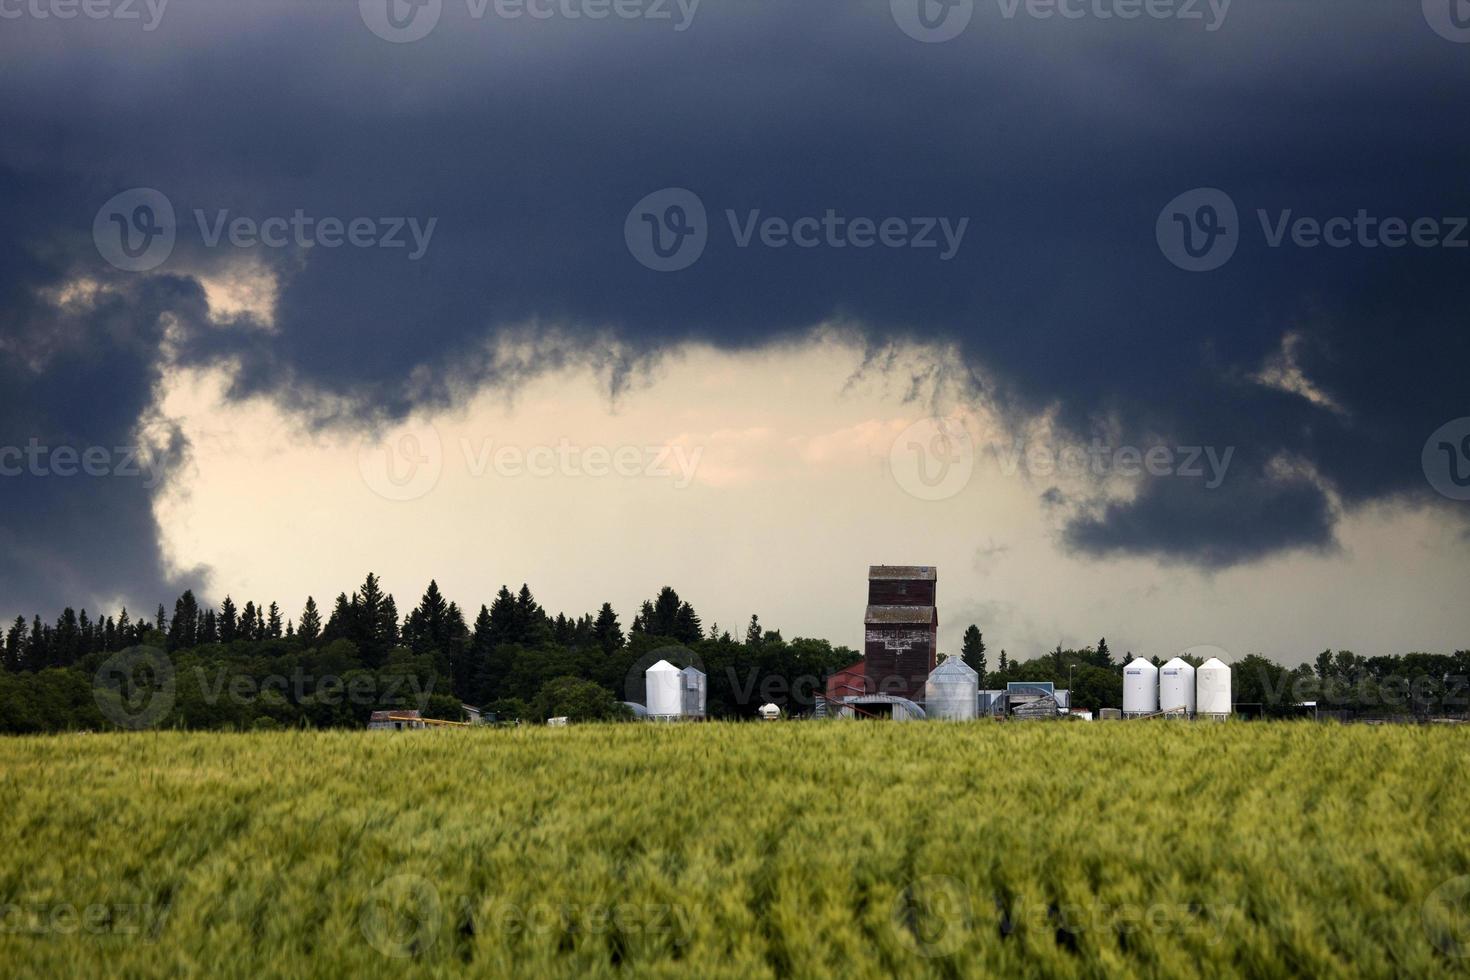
[(900, 629), (395, 720)]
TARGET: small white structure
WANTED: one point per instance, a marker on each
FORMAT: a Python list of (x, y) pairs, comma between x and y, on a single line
[(1140, 688), (663, 683), (769, 712), (694, 690), (1212, 684), (559, 722), (952, 692), (1176, 687)]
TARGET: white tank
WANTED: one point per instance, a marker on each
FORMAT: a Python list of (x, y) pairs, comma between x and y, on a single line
[(663, 683), (1140, 688), (770, 712), (1212, 682), (694, 690), (952, 692), (1176, 686)]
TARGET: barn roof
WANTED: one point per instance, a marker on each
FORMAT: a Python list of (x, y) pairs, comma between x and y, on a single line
[(899, 615), (908, 573)]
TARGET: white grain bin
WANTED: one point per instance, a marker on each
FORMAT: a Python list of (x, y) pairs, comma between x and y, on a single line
[(1176, 687), (770, 712), (1212, 682), (952, 692), (663, 683), (1140, 688), (694, 691)]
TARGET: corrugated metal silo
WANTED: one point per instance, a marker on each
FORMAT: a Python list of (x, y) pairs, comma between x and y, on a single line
[(1176, 687), (694, 689), (1212, 682), (1140, 688), (952, 691), (663, 682)]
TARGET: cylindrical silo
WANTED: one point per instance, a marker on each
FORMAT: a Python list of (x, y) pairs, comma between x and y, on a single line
[(663, 683), (952, 691), (1140, 688), (1212, 682), (1176, 687), (695, 690)]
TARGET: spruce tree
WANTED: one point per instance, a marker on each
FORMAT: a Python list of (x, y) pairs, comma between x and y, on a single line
[(606, 630), (972, 650), (311, 622), (229, 621)]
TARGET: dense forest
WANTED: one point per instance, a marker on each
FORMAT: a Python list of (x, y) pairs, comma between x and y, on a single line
[(250, 667)]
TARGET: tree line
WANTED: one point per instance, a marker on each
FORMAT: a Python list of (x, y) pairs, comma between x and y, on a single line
[(250, 667)]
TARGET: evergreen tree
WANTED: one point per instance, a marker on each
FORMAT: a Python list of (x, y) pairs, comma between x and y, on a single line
[(229, 621), (183, 632), (37, 657), (273, 622), (67, 644), (426, 629), (972, 650), (15, 644), (160, 623), (687, 628), (608, 633), (1005, 665), (311, 622), (209, 628), (753, 633), (124, 630), (503, 617), (1104, 656)]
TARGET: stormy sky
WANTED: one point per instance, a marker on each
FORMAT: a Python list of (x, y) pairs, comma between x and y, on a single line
[(1029, 171)]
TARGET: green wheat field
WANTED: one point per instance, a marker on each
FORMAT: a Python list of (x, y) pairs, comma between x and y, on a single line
[(741, 850)]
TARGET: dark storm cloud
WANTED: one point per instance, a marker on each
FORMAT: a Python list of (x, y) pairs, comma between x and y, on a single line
[(1060, 141)]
